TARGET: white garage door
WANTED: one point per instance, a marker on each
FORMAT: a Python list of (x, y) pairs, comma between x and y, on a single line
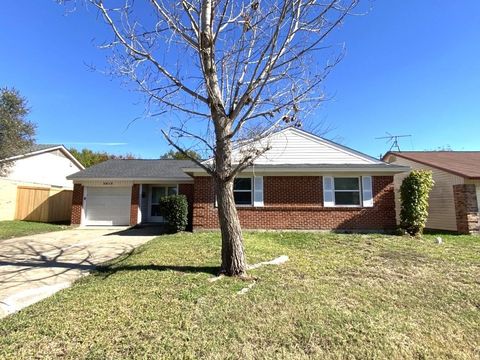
[(108, 206)]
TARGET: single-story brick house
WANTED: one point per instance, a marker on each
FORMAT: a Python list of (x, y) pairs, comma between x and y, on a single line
[(302, 182), (455, 198)]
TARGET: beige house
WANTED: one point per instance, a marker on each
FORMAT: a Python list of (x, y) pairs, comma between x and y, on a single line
[(35, 187), (455, 198)]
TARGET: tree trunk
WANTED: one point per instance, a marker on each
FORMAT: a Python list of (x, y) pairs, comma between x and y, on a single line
[(233, 257)]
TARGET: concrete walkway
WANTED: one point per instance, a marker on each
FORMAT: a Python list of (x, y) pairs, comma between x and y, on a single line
[(35, 267)]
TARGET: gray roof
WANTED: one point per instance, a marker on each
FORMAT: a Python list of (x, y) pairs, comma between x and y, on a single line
[(35, 148), (40, 147), (173, 169), (136, 169)]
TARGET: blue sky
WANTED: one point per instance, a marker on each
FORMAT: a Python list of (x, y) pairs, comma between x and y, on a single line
[(411, 67)]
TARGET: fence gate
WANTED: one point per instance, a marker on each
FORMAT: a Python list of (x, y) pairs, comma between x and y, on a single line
[(45, 205)]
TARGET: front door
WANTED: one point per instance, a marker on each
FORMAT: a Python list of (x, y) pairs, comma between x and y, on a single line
[(156, 193)]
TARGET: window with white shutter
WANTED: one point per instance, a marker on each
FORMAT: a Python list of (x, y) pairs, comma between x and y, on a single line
[(346, 191), (242, 191)]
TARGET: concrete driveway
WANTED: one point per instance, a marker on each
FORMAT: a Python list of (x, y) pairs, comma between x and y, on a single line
[(35, 267)]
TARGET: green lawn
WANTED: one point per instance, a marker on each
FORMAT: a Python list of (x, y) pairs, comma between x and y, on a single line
[(16, 228), (339, 296)]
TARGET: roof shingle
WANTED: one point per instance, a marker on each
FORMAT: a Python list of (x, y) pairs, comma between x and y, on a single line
[(462, 163), (35, 148), (136, 169)]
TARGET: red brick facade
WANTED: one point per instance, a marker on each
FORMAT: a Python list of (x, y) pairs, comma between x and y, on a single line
[(466, 209), (134, 203), (290, 202), (296, 202), (77, 204)]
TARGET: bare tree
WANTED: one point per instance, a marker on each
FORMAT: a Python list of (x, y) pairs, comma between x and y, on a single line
[(228, 72)]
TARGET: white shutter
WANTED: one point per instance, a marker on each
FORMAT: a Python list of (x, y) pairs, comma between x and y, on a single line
[(328, 200), (367, 191), (258, 191)]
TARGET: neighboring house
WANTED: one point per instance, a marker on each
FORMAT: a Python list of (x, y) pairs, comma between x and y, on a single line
[(35, 187), (455, 198), (302, 182)]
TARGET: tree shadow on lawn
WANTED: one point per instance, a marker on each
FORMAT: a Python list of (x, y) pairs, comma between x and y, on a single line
[(108, 270)]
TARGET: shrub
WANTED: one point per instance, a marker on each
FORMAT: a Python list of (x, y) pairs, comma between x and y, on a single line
[(414, 194), (175, 208)]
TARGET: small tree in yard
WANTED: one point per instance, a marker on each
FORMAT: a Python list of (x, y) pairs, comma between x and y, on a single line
[(414, 194), (16, 132), (225, 72)]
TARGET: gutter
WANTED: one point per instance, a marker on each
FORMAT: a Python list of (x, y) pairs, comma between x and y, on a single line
[(390, 169), (179, 180)]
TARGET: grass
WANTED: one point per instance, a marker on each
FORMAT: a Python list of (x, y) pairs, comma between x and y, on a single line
[(16, 228), (339, 296)]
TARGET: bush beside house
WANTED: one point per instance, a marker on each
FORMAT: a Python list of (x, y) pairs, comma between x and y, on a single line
[(175, 208), (414, 193)]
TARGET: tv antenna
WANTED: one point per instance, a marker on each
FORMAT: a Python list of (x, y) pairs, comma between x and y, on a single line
[(393, 139)]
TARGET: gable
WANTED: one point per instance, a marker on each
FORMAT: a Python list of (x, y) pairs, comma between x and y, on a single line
[(46, 168), (294, 146), (38, 149)]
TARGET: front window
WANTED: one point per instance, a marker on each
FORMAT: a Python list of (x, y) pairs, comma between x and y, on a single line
[(347, 191), (158, 192), (242, 191)]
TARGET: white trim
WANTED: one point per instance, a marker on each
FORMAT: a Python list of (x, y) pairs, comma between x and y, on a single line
[(134, 180), (293, 170)]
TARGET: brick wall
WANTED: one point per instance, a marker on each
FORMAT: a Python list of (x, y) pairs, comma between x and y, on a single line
[(187, 190), (297, 203), (466, 209), (281, 191), (134, 203), (77, 204)]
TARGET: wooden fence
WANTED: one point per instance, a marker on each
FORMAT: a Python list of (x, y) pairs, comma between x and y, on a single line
[(44, 205)]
